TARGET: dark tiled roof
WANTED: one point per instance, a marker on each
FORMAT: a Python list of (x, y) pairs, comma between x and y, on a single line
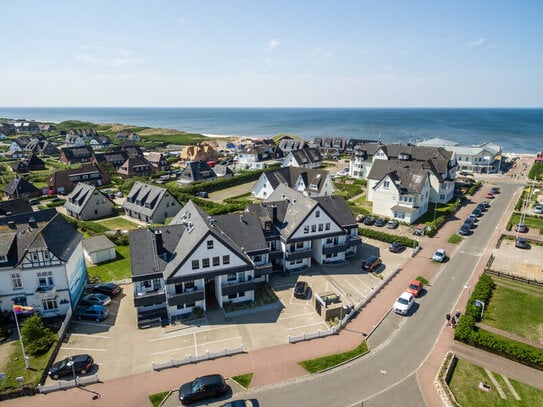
[(77, 154), (198, 171), (19, 186), (97, 243), (14, 207), (81, 195), (289, 176), (145, 199), (307, 156)]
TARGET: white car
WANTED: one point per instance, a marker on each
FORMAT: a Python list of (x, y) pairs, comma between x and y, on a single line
[(403, 303), (439, 255), (538, 209)]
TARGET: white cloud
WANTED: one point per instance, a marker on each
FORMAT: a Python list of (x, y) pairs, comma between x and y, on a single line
[(106, 57), (477, 43), (274, 43)]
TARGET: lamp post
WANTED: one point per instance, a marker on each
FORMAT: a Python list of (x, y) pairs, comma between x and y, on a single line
[(73, 369), (479, 303), (468, 288), (25, 358)]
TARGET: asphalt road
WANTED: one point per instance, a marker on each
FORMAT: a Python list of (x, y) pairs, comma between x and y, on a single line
[(388, 372)]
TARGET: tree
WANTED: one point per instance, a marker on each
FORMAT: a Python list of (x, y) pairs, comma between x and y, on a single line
[(37, 338)]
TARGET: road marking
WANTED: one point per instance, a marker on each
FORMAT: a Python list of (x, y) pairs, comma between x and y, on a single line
[(180, 334), (194, 346), (354, 287), (297, 315), (93, 323), (93, 336), (90, 349), (303, 326)]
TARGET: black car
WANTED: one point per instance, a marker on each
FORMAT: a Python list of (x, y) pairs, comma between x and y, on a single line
[(371, 263), (110, 289), (242, 403), (66, 367), (395, 247), (482, 207), (477, 212), (369, 220), (300, 289), (495, 190), (465, 229), (521, 227), (202, 194), (521, 243), (201, 388), (380, 222)]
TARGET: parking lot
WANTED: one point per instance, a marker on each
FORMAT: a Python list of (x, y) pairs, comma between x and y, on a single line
[(119, 347), (526, 263)]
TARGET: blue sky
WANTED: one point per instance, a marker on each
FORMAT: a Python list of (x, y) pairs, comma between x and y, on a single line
[(271, 53)]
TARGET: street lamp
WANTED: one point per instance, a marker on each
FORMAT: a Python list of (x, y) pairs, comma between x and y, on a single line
[(468, 288), (71, 362), (479, 303)]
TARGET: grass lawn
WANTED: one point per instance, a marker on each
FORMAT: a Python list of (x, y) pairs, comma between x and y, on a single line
[(516, 307), (114, 270), (244, 379), (455, 239), (158, 398), (465, 381), (326, 362), (16, 366), (121, 223)]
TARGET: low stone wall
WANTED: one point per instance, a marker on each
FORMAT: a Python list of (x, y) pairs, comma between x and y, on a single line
[(441, 381)]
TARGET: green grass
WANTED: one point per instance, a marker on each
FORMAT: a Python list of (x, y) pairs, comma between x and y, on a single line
[(181, 138), (465, 381), (121, 223), (157, 398), (533, 222), (423, 280), (455, 239), (16, 366), (114, 270), (244, 379), (326, 362), (517, 309)]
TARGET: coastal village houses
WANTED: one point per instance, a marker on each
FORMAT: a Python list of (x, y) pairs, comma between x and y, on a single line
[(76, 155), (41, 263), (197, 171), (150, 203), (198, 152), (306, 158), (64, 181), (198, 261), (21, 188), (86, 202), (310, 182)]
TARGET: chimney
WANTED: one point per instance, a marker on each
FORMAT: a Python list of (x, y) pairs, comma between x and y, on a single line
[(274, 213), (159, 242)]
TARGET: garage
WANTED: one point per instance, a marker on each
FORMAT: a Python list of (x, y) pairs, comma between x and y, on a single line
[(99, 249)]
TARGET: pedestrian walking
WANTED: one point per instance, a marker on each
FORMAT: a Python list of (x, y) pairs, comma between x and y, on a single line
[(448, 318), (457, 314), (453, 322)]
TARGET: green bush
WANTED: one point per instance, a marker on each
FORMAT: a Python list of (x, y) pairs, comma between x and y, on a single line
[(37, 338), (474, 188), (54, 204), (385, 237)]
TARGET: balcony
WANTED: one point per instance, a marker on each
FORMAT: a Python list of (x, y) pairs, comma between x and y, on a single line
[(338, 248), (298, 254), (275, 254), (46, 292), (238, 287), (144, 299), (263, 269), (187, 297), (353, 241)]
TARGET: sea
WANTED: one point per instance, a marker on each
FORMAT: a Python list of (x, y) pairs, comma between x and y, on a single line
[(517, 131)]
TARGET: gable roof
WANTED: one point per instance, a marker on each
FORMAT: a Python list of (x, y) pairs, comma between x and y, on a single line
[(307, 156), (97, 243), (19, 186), (81, 196), (14, 207), (77, 153), (61, 178), (289, 175), (144, 198), (198, 171)]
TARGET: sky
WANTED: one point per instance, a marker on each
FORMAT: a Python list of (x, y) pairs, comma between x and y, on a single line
[(294, 53)]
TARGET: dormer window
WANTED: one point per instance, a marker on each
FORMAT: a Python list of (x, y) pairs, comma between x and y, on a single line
[(3, 259)]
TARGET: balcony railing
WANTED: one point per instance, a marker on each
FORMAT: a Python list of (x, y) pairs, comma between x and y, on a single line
[(298, 254), (46, 292), (275, 254), (263, 269), (238, 287), (186, 297), (144, 299)]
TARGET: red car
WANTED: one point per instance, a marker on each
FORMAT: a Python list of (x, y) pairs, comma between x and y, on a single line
[(490, 195), (415, 288)]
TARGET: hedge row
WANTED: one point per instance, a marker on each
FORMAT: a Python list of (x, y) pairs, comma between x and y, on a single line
[(87, 226), (474, 188), (387, 238), (466, 331)]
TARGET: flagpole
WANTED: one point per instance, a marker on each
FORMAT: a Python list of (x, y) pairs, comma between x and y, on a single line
[(27, 365)]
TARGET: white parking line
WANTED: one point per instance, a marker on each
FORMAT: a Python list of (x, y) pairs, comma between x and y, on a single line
[(303, 326), (179, 334), (89, 349), (354, 287), (93, 323), (297, 316), (194, 346), (89, 335)]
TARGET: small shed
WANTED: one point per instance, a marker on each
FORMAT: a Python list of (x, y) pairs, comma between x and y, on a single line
[(99, 249)]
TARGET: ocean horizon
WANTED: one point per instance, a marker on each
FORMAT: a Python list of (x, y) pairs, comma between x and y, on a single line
[(516, 130)]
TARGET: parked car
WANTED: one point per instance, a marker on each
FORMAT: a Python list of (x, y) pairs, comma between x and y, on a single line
[(96, 299), (301, 289), (495, 190), (538, 209), (490, 195), (110, 289), (95, 312), (439, 255), (403, 303), (369, 220), (465, 229), (392, 224), (360, 218), (415, 288), (202, 194), (242, 403), (379, 222), (395, 247), (484, 204), (521, 227), (34, 201), (477, 212), (521, 243), (371, 263), (202, 388), (482, 207), (79, 363)]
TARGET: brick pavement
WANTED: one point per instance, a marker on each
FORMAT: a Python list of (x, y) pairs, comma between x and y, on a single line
[(280, 363)]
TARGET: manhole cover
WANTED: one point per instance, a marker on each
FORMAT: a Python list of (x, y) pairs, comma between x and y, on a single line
[(382, 371), (348, 294), (395, 326)]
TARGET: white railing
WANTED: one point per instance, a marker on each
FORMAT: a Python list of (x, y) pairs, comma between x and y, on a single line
[(198, 358), (68, 384), (320, 334)]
